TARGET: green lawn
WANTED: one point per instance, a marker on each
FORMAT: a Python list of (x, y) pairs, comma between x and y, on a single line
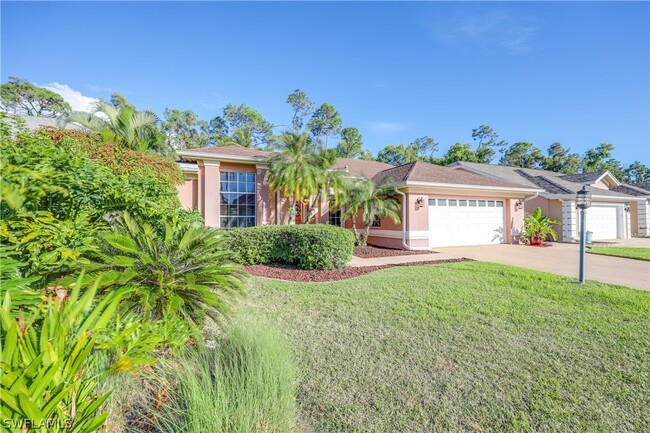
[(464, 347), (631, 253)]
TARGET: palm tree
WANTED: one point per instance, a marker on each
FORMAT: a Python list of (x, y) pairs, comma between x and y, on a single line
[(372, 201), (173, 269), (128, 127), (296, 169), (331, 182)]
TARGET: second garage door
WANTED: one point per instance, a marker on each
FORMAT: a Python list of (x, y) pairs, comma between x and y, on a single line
[(455, 222), (602, 221)]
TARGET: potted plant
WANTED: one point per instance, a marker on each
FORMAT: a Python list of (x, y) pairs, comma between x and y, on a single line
[(537, 228)]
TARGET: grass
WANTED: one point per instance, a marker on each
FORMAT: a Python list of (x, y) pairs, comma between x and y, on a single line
[(473, 347), (245, 384), (627, 252)]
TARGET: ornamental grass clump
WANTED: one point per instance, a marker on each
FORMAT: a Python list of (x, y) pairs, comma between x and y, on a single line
[(244, 384)]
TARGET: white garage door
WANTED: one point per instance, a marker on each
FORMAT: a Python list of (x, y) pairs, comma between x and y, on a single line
[(602, 221), (454, 222)]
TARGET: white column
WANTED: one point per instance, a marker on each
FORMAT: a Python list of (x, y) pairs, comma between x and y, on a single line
[(569, 221), (643, 217)]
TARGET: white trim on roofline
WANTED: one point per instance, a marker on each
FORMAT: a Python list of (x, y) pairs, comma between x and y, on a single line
[(615, 198), (466, 187), (187, 167), (213, 156)]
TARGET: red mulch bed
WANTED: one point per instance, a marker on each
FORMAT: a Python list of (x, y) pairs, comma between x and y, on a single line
[(370, 252), (279, 271)]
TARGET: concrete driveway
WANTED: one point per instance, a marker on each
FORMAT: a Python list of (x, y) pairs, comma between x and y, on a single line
[(563, 259)]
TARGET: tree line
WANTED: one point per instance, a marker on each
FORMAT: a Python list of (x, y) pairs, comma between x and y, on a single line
[(245, 126)]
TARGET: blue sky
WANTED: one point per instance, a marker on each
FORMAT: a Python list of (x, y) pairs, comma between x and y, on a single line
[(577, 73)]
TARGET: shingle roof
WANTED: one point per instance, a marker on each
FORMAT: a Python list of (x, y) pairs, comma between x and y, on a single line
[(537, 178), (362, 168), (420, 171), (642, 185), (632, 190), (355, 167), (583, 177), (545, 183)]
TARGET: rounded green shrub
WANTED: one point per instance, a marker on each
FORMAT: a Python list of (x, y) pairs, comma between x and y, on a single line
[(305, 246)]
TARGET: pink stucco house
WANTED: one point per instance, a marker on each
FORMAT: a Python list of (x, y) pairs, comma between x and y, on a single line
[(441, 206)]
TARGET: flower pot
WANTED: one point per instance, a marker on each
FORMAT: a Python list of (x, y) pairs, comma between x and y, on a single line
[(536, 242)]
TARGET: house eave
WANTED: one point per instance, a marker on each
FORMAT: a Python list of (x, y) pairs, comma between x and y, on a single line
[(188, 155), (465, 187), (188, 167), (569, 197)]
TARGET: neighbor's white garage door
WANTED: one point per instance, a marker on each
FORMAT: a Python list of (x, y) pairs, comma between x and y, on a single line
[(454, 222), (602, 220)]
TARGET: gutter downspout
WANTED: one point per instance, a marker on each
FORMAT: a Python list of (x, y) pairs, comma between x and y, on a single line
[(404, 244), (531, 197)]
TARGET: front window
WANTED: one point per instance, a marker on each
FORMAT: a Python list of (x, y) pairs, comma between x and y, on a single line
[(335, 217), (237, 195)]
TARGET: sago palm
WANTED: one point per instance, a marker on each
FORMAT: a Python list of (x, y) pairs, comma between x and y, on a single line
[(371, 201), (128, 127), (177, 268)]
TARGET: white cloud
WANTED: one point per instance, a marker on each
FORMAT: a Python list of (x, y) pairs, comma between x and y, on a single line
[(103, 89), (494, 29), (387, 127), (77, 101)]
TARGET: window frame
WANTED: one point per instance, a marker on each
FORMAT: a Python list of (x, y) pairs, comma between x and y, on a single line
[(237, 184), (335, 215)]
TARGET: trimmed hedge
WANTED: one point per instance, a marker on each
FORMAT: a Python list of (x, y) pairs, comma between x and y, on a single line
[(305, 246)]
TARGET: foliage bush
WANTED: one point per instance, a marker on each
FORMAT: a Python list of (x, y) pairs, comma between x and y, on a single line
[(54, 196), (537, 227), (305, 246), (121, 160), (44, 361)]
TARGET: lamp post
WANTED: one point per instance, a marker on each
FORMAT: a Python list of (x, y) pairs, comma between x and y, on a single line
[(583, 201)]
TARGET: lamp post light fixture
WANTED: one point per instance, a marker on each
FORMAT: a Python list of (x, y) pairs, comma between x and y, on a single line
[(583, 201)]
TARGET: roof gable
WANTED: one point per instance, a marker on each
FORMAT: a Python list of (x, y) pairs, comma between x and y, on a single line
[(592, 178)]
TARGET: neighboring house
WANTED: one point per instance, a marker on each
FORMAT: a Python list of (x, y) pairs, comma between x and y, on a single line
[(640, 208), (441, 206), (33, 122), (614, 213)]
